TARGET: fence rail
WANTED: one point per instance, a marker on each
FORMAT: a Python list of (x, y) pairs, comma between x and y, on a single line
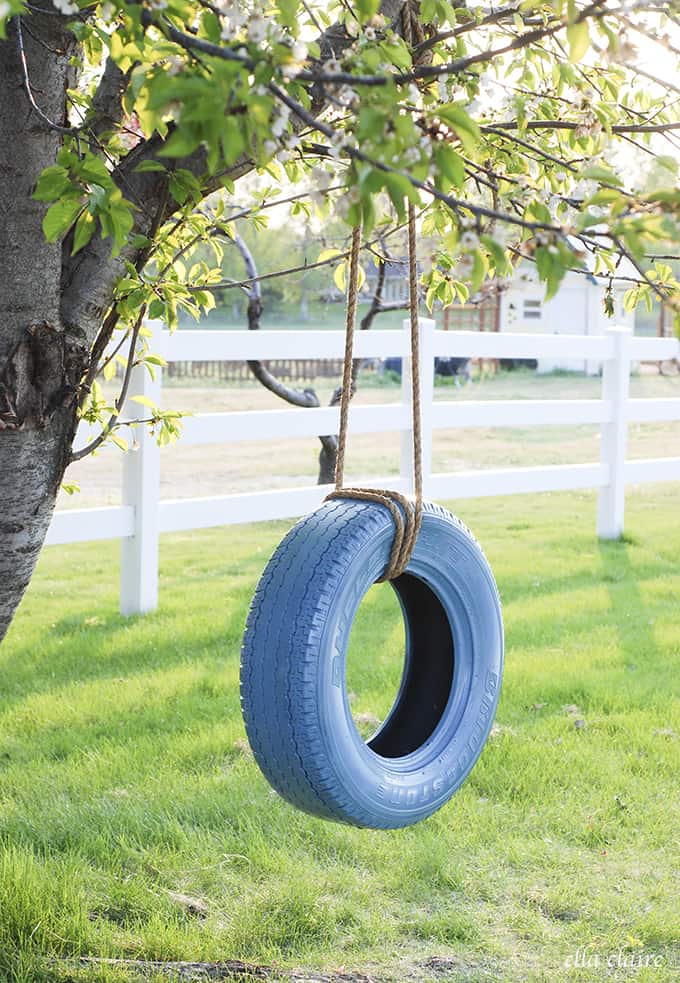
[(288, 369), (141, 518)]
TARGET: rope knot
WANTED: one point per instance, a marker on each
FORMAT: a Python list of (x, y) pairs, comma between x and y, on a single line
[(407, 516)]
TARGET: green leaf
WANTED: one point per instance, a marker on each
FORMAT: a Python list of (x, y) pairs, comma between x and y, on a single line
[(578, 36), (84, 231), (94, 171), (328, 254), (231, 139), (122, 223), (603, 174), (500, 260), (669, 163), (465, 127), (450, 164), (52, 183), (182, 185), (339, 277), (118, 441), (365, 9), (288, 11), (149, 166), (60, 217), (180, 143), (144, 401)]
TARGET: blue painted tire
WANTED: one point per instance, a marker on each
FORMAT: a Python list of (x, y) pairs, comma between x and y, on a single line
[(293, 691)]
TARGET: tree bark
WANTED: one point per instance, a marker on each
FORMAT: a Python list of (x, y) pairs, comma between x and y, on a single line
[(40, 365), (52, 305)]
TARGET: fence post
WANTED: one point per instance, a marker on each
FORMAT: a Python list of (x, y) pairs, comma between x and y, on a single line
[(426, 328), (141, 490), (614, 435)]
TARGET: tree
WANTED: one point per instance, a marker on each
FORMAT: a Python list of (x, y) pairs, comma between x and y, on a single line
[(307, 397), (120, 123)]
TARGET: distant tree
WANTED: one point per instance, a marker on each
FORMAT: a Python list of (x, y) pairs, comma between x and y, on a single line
[(119, 122), (307, 397)]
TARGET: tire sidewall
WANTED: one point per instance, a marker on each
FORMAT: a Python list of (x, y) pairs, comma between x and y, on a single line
[(399, 791)]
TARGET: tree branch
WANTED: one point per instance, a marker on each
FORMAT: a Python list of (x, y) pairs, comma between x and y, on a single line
[(90, 277), (107, 104), (120, 401), (296, 397)]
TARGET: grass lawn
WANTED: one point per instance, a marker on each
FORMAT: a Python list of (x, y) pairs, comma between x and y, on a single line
[(134, 822)]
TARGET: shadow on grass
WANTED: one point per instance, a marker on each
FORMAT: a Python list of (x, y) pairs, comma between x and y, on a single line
[(116, 647), (629, 612)]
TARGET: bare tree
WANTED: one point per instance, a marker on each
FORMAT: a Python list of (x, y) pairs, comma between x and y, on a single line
[(308, 396)]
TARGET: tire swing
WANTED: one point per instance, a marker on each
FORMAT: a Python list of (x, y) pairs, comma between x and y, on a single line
[(293, 690)]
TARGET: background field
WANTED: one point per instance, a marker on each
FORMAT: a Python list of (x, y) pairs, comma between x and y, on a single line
[(221, 468), (134, 823)]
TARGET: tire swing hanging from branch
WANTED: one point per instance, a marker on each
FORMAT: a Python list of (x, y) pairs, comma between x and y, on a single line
[(293, 688)]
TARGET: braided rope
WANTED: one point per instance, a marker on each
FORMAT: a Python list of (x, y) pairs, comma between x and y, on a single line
[(407, 515)]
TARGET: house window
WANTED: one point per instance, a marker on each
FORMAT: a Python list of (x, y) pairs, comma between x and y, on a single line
[(532, 310)]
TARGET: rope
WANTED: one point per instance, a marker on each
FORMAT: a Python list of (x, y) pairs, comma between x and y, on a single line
[(407, 522)]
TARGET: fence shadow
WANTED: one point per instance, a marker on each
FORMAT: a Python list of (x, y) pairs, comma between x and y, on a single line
[(629, 613)]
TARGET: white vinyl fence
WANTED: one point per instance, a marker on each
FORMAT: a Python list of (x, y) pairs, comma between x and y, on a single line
[(142, 516)]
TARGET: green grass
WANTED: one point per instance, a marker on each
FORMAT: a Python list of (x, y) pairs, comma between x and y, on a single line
[(125, 779)]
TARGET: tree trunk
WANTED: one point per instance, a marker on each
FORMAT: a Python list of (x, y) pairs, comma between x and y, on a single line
[(327, 458), (40, 366)]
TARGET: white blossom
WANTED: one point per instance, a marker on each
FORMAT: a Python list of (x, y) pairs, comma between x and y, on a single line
[(299, 51), (321, 177), (232, 10), (336, 144), (342, 206), (352, 27), (233, 18), (346, 96), (257, 28), (279, 125), (66, 7), (174, 65)]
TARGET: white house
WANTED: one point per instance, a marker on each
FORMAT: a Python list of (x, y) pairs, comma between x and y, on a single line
[(577, 308)]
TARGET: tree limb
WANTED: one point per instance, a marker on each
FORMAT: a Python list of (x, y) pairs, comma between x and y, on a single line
[(89, 278), (296, 397), (107, 103)]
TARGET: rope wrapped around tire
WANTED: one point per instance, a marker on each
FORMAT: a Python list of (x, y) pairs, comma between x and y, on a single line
[(293, 690)]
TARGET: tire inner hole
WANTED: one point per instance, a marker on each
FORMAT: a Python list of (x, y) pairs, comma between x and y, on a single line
[(399, 666)]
